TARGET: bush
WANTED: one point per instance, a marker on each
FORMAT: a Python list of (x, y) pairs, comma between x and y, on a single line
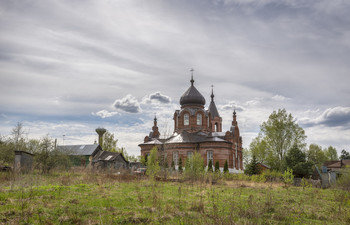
[(344, 180), (153, 167), (194, 167), (226, 167), (210, 166), (180, 165), (217, 166), (272, 175), (258, 178), (288, 177)]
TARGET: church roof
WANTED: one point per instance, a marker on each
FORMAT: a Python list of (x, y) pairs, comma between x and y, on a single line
[(213, 110), (212, 107), (186, 137), (192, 96)]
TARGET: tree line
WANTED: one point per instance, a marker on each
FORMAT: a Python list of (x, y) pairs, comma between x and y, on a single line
[(281, 144)]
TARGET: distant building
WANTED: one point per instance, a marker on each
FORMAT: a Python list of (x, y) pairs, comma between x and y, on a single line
[(109, 160), (198, 130), (23, 161), (81, 155)]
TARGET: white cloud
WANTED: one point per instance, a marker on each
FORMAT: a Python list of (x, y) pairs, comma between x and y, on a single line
[(128, 104), (279, 98), (104, 113)]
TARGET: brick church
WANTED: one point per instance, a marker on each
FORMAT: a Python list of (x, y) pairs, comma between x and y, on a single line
[(197, 129)]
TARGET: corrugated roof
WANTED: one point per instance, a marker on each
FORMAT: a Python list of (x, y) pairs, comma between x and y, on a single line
[(107, 156), (79, 149)]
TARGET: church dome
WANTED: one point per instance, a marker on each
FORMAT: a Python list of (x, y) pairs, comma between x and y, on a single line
[(192, 96)]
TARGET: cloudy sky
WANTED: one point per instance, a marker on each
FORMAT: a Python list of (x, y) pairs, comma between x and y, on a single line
[(68, 67)]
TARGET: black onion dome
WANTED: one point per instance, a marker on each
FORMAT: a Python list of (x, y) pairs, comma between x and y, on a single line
[(192, 96)]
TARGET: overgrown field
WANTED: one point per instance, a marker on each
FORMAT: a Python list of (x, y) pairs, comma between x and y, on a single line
[(83, 198)]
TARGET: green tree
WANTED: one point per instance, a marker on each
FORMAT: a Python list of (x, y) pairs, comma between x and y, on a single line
[(210, 166), (252, 168), (18, 137), (226, 167), (296, 160), (288, 177), (331, 153), (217, 166), (180, 165), (344, 155), (194, 167), (316, 155), (109, 143), (7, 154), (258, 147), (47, 157), (281, 133), (153, 167)]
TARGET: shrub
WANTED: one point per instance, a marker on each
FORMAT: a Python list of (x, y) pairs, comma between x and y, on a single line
[(217, 166), (194, 167), (226, 167), (288, 177), (344, 180), (259, 178), (272, 175), (153, 167), (210, 166), (180, 165)]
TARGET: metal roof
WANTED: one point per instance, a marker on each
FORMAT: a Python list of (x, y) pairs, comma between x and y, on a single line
[(107, 156), (192, 97), (186, 137), (79, 149)]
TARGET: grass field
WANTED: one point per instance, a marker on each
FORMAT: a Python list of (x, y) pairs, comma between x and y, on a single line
[(83, 198)]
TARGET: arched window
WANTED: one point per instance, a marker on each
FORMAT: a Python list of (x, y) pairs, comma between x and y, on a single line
[(186, 119), (199, 119), (216, 127)]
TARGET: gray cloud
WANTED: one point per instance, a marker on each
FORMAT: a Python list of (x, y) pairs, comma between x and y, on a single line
[(296, 48), (232, 105), (128, 104), (156, 97), (332, 117)]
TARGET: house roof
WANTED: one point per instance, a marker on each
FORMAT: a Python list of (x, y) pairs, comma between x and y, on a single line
[(339, 164), (80, 149), (107, 156)]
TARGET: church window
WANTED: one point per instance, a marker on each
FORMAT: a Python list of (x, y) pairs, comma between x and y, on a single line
[(175, 158), (210, 157), (199, 119), (186, 119)]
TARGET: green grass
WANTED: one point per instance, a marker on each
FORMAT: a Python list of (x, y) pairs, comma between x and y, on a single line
[(83, 198)]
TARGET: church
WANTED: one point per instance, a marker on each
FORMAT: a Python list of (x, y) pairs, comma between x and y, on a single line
[(197, 129)]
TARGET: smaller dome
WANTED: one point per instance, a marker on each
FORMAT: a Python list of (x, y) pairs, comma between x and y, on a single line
[(192, 96)]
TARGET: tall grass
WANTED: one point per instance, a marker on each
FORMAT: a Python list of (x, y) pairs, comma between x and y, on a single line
[(84, 197)]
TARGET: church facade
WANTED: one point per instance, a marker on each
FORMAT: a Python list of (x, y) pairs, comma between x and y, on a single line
[(197, 129)]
